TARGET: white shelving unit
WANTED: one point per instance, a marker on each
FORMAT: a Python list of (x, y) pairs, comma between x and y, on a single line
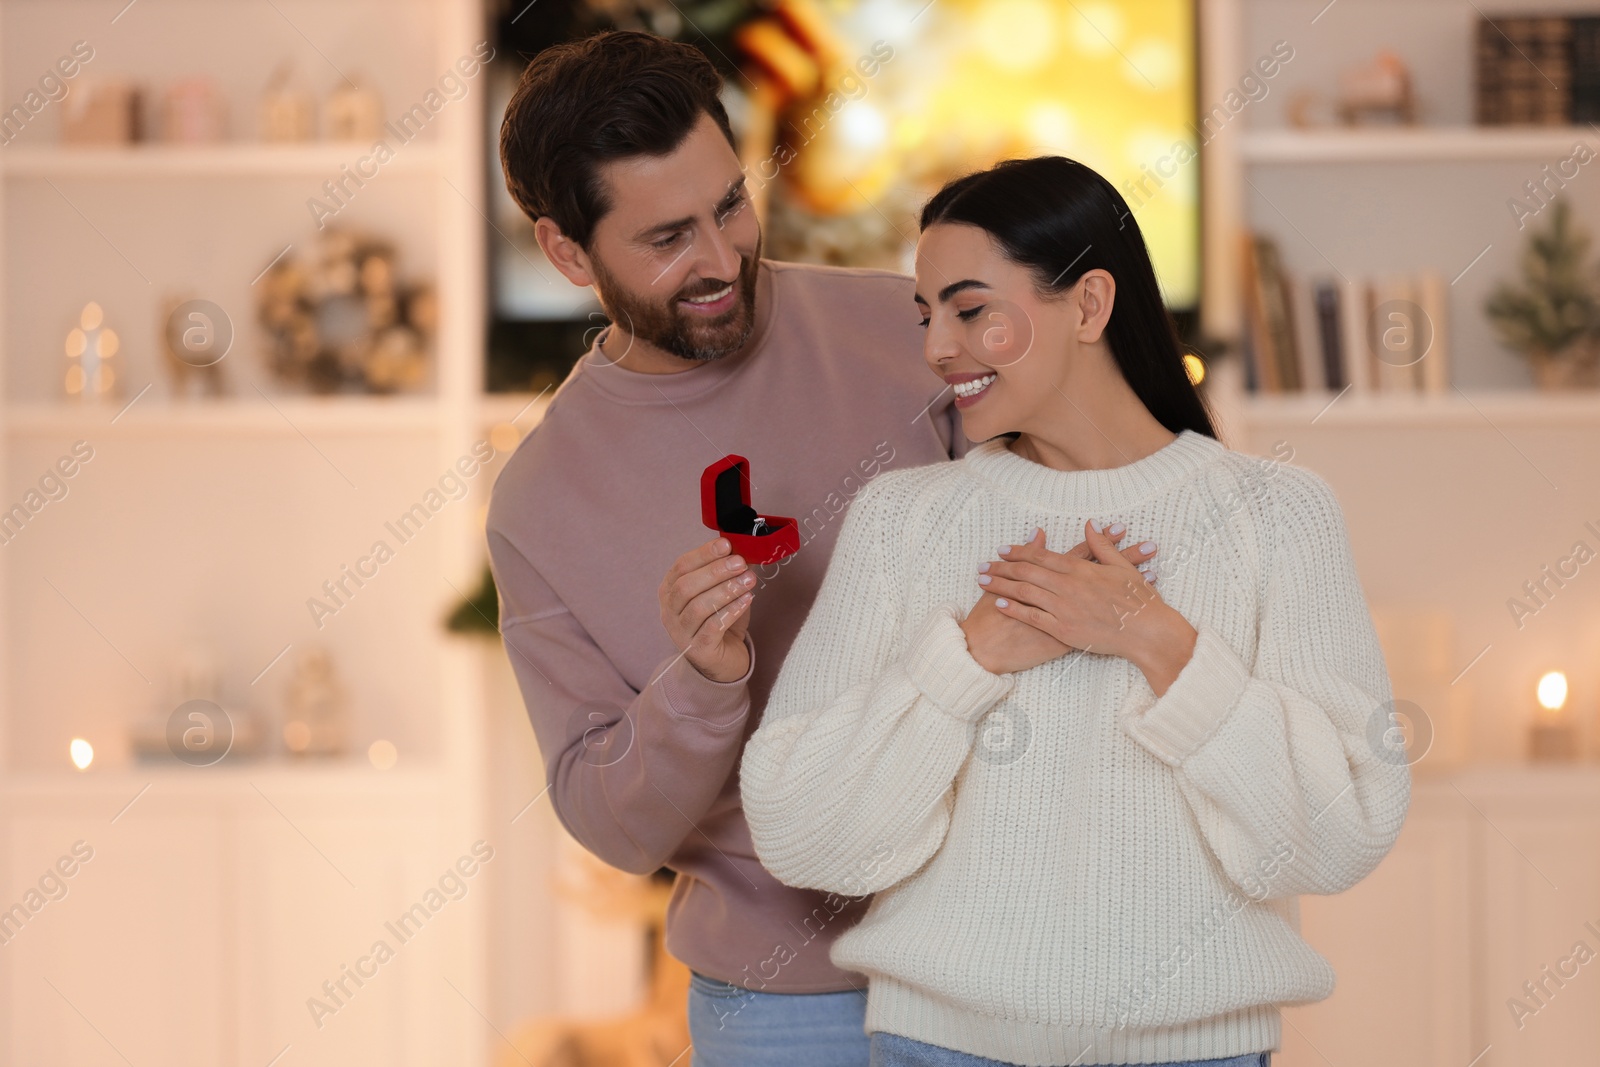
[(1422, 144), (157, 160), (221, 898)]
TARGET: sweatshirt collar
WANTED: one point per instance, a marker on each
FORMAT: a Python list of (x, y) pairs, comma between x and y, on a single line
[(1093, 494), (620, 382)]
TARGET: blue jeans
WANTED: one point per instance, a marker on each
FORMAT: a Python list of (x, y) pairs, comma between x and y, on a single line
[(736, 1027), (892, 1050)]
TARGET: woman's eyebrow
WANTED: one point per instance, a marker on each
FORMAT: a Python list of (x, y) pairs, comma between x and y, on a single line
[(952, 289)]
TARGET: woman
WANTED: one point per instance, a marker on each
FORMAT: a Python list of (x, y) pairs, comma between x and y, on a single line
[(1085, 791)]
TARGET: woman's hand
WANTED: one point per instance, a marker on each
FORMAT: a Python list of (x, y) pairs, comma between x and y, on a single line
[(1105, 605), (1003, 642)]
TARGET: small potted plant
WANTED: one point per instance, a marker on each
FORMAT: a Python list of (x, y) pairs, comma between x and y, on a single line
[(1553, 316)]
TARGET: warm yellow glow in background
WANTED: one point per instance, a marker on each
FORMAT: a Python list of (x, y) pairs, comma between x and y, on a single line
[(1109, 84)]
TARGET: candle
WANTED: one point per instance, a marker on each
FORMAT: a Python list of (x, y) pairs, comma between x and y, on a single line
[(1552, 735)]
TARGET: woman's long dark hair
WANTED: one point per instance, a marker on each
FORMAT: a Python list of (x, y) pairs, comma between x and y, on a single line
[(1060, 219)]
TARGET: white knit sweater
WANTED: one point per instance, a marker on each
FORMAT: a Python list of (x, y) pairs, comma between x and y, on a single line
[(1068, 869)]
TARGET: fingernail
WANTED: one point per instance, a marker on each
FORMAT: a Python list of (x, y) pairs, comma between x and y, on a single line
[(983, 566), (1003, 550), (1148, 546), (1002, 603), (723, 546), (984, 579), (1115, 529)]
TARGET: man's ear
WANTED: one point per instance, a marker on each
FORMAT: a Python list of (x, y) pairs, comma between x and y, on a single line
[(1097, 292), (565, 254)]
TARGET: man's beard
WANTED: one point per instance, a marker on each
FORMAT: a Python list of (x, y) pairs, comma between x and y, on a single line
[(685, 334)]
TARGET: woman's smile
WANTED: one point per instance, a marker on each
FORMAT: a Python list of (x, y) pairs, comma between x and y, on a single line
[(970, 388)]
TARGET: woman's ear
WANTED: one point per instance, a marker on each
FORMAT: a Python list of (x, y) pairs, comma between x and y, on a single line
[(1097, 292)]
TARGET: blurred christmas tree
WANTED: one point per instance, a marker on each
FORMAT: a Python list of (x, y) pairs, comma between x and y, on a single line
[(479, 613)]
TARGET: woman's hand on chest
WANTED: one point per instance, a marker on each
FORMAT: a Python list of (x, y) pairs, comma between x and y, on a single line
[(1018, 637), (1102, 603)]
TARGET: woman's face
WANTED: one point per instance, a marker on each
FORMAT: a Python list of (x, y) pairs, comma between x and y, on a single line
[(1005, 349)]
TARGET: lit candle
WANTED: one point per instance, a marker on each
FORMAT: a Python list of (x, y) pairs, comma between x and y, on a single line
[(1552, 735)]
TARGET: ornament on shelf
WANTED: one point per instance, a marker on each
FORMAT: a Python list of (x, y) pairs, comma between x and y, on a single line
[(193, 111), (346, 320), (353, 112), (198, 334), (101, 113), (1553, 316), (194, 725), (1379, 91), (315, 721), (91, 348), (288, 109)]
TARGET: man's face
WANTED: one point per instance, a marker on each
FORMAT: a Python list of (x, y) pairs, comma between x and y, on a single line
[(675, 259)]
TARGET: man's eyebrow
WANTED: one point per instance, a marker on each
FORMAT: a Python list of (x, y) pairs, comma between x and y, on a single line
[(734, 189), (952, 289)]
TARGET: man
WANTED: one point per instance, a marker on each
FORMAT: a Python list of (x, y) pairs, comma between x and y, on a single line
[(644, 648)]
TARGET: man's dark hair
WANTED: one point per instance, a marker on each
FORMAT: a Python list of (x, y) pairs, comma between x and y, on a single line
[(585, 103)]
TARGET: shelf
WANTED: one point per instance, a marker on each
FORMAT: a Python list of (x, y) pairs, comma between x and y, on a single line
[(1499, 408), (1417, 144), (318, 159), (128, 787), (282, 415)]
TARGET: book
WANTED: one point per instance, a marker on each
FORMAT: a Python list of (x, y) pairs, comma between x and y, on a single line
[(1433, 295), (1262, 369), (1585, 45), (1330, 343), (1277, 317), (1357, 349), (1396, 327), (1307, 331), (1524, 71)]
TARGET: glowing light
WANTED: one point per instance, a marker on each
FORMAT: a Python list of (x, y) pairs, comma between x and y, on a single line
[(1152, 64), (82, 753), (92, 316), (1195, 367), (382, 754), (77, 343), (107, 344), (505, 436), (1051, 126), (1097, 28), (296, 735), (1018, 35), (862, 125), (1553, 690)]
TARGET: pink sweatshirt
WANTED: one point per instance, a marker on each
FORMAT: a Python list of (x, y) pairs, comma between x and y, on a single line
[(640, 749)]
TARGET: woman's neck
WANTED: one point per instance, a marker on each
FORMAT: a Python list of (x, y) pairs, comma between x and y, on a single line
[(1120, 432)]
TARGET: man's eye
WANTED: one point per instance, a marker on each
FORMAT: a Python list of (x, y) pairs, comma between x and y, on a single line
[(666, 242), (970, 313)]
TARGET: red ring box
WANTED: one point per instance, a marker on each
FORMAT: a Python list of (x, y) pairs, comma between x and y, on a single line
[(725, 507)]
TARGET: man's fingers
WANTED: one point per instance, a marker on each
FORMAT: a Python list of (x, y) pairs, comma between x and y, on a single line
[(695, 572)]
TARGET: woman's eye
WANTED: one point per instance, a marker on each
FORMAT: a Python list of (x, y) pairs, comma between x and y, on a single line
[(923, 324), (970, 313)]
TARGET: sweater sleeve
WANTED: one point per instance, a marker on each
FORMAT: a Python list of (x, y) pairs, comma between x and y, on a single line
[(1289, 781), (629, 771), (848, 783)]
